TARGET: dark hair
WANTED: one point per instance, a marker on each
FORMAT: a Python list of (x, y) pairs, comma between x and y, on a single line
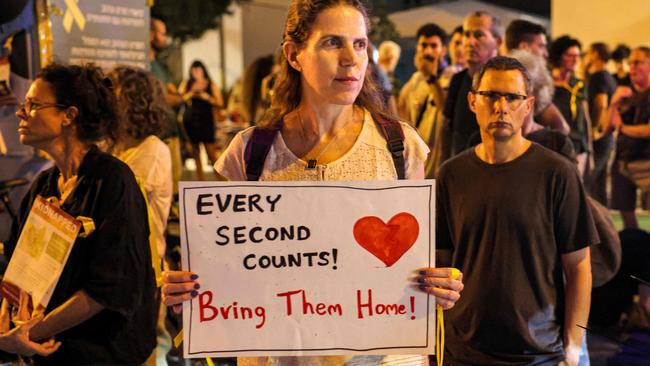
[(520, 30), (91, 92), (559, 46), (252, 84), (430, 30), (496, 28), (141, 105), (191, 80), (602, 50), (503, 63), (644, 49), (287, 90), (621, 52), (458, 29)]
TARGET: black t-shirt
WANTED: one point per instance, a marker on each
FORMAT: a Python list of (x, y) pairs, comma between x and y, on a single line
[(508, 225), (112, 265), (465, 131), (600, 82), (563, 100), (634, 111)]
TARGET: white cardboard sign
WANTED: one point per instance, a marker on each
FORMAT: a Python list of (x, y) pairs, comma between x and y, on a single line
[(306, 268)]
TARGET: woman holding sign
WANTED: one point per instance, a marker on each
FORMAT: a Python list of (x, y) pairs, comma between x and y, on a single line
[(326, 122), (102, 307)]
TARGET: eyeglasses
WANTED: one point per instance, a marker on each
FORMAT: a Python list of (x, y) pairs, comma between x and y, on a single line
[(27, 107), (514, 100)]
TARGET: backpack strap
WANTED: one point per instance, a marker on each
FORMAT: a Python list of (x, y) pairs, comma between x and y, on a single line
[(261, 141), (392, 132), (257, 148)]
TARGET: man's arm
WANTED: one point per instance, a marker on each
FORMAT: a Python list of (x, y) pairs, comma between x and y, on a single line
[(577, 291), (599, 118), (637, 131), (79, 308)]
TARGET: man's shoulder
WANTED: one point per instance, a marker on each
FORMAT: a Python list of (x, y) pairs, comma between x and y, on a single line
[(458, 78), (551, 160), (460, 160)]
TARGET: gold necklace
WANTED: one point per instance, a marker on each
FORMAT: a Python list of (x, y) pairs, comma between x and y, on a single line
[(312, 163)]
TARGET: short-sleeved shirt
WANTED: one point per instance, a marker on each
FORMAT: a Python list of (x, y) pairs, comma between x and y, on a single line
[(368, 159), (112, 265), (569, 100), (508, 225), (634, 111), (462, 120), (601, 82)]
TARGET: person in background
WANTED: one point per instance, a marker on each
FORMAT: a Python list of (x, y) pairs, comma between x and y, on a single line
[(456, 55), (620, 56), (203, 102), (325, 111), (524, 35), (423, 96), (600, 89), (142, 115), (158, 41), (571, 99), (629, 113), (429, 55), (482, 37), (389, 55), (252, 102), (103, 308)]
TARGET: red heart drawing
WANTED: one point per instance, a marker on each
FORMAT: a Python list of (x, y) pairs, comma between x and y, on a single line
[(388, 242)]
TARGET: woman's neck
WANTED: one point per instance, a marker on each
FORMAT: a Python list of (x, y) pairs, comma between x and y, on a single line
[(322, 119), (561, 75), (67, 156)]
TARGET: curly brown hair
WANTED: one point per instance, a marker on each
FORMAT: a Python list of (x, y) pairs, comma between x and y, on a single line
[(140, 103), (90, 91)]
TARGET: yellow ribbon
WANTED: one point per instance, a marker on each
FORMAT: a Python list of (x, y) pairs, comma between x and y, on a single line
[(153, 248), (575, 92), (178, 339), (440, 326), (73, 14), (87, 226), (87, 223)]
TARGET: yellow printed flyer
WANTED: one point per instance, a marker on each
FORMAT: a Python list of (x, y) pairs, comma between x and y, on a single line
[(41, 253)]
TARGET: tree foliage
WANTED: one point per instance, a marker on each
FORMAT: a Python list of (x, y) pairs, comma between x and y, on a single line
[(383, 29), (189, 19)]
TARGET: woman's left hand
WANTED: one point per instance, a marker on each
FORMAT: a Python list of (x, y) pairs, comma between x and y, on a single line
[(440, 283), (17, 340)]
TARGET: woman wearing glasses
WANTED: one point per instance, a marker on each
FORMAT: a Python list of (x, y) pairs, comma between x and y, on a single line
[(102, 309), (325, 112)]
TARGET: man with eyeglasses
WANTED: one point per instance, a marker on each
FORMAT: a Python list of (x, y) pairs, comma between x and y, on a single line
[(629, 112), (513, 217), (482, 37)]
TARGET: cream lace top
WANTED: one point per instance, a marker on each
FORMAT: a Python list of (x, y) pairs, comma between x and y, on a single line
[(368, 159)]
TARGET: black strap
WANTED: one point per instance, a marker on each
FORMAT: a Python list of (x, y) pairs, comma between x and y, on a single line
[(421, 110), (261, 141), (257, 149), (392, 132)]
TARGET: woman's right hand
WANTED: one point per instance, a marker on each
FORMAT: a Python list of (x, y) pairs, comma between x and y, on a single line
[(179, 286)]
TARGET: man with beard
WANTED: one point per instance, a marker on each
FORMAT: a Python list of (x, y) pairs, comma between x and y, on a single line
[(527, 277), (422, 97)]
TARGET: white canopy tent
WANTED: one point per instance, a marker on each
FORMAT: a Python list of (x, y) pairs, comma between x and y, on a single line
[(449, 15)]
